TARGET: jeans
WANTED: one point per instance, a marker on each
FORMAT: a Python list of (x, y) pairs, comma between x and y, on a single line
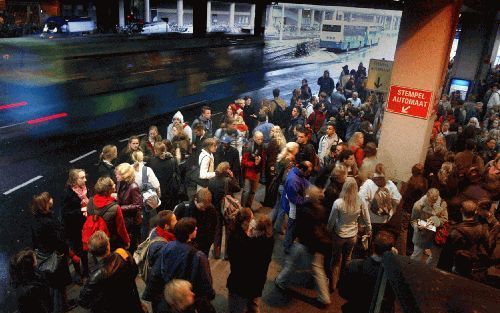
[(290, 234), (300, 258), (248, 194), (341, 255), (432, 260), (238, 304)]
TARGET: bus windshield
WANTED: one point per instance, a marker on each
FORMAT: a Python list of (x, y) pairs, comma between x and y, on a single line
[(332, 28)]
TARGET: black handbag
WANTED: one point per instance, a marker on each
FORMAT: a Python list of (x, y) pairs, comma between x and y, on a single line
[(48, 263)]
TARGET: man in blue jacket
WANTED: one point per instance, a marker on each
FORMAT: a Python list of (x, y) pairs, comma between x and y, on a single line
[(181, 260), (326, 83), (293, 196)]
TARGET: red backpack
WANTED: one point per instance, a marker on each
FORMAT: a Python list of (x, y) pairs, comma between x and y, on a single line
[(94, 222)]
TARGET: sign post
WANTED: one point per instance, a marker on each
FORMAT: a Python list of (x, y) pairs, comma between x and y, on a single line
[(409, 101), (379, 75)]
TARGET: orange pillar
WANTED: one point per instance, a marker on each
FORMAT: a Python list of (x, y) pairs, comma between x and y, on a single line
[(421, 60)]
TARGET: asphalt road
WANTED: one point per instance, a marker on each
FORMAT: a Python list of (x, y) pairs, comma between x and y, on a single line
[(29, 167)]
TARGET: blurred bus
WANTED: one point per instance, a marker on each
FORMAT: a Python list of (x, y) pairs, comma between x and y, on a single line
[(343, 35)]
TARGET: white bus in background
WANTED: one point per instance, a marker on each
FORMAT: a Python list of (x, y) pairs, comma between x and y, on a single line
[(346, 35)]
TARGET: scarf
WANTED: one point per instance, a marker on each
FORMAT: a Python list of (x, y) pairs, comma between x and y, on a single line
[(82, 194), (165, 234)]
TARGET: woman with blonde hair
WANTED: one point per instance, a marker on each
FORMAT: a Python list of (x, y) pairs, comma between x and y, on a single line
[(343, 224), (277, 142), (285, 161), (105, 167), (74, 206), (140, 169), (129, 199), (430, 211), (356, 146)]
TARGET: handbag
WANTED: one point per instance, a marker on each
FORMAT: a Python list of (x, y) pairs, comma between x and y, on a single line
[(48, 263), (442, 233), (230, 205), (149, 195)]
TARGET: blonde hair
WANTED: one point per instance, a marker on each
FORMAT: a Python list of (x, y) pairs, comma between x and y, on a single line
[(288, 150), (353, 142), (107, 152), (175, 294), (339, 170), (127, 172), (277, 135), (138, 158), (73, 176), (222, 167), (444, 172), (315, 194), (349, 194)]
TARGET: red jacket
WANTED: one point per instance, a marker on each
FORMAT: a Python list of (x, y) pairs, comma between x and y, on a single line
[(359, 155), (316, 120), (250, 170), (114, 220)]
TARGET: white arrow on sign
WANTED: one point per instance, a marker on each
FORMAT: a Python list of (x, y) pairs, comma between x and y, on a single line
[(405, 109)]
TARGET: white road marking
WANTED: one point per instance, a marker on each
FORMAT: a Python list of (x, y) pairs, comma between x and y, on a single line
[(7, 126), (83, 156), (22, 185)]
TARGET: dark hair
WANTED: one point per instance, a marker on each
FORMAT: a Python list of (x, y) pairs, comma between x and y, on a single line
[(246, 98), (317, 106), (184, 227), (198, 126), (164, 218), (243, 215), (383, 242), (262, 117), (40, 204), (345, 154), (301, 129), (205, 108), (276, 92), (470, 144), (22, 267), (370, 149), (304, 166)]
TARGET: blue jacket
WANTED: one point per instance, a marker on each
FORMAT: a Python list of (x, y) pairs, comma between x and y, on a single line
[(265, 129), (180, 260), (294, 189)]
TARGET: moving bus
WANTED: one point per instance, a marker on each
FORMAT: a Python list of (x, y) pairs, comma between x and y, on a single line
[(344, 36)]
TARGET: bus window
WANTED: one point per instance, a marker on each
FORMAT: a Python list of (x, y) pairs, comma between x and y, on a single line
[(332, 28)]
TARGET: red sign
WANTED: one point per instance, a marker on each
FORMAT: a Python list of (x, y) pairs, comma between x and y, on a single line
[(409, 101)]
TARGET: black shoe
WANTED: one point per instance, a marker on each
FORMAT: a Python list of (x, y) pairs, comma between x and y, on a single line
[(279, 287)]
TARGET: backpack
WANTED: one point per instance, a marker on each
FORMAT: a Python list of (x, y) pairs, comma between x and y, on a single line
[(229, 205), (382, 204), (141, 255), (94, 222), (148, 192), (193, 174)]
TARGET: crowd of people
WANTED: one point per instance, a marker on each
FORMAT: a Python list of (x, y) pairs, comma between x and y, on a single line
[(160, 207)]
